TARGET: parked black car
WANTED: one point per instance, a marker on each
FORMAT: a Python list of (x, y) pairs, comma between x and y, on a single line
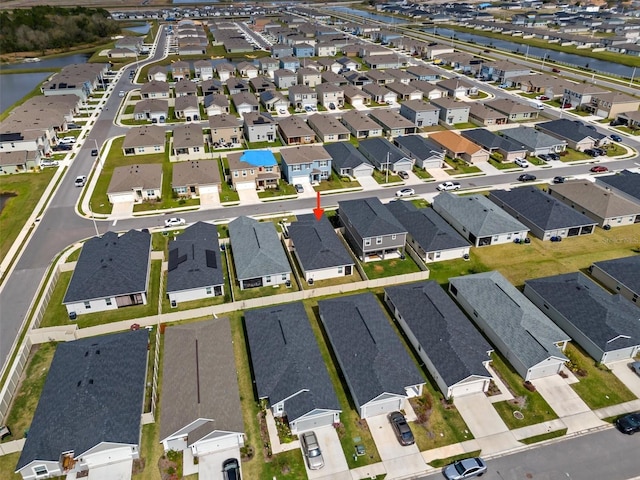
[(401, 428), (591, 152), (554, 156), (231, 469), (558, 180), (544, 157), (526, 177), (629, 423)]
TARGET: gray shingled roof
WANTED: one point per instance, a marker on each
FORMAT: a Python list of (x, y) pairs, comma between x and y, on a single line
[(317, 244), (528, 333), (540, 209), (572, 129), (419, 146), (532, 138), (478, 214), (286, 360), (624, 270), (491, 141), (626, 182), (611, 322), (257, 250), (379, 151), (345, 155), (371, 356), (200, 378), (426, 227), (194, 259), (93, 393), (456, 349), (370, 217), (110, 266)]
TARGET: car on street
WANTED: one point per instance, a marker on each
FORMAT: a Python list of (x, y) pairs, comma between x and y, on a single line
[(94, 152), (311, 451), (49, 163), (282, 111), (446, 186), (616, 138), (542, 97), (231, 469), (635, 366), (404, 175), (299, 188), (526, 177), (521, 162), (629, 423), (405, 192), (401, 428), (555, 70), (121, 93), (466, 468), (174, 222), (80, 181), (599, 169), (558, 179)]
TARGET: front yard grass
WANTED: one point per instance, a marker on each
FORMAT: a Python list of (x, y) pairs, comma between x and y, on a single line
[(464, 126), (441, 462), (227, 194), (56, 313), (27, 188), (531, 404), (283, 189), (625, 129), (389, 268), (382, 177), (615, 150), (598, 386), (460, 167), (545, 436), (422, 174), (574, 156), (8, 465), (336, 183), (419, 202), (502, 165)]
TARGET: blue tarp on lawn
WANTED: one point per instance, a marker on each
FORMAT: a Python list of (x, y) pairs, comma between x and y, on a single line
[(259, 158)]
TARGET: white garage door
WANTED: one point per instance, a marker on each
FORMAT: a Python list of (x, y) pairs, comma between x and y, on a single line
[(122, 197), (382, 407), (622, 354), (208, 189), (467, 388), (362, 172), (316, 421), (545, 370), (246, 186)]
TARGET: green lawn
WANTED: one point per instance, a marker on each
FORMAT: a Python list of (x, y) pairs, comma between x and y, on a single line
[(8, 465), (479, 96), (464, 126), (389, 268), (441, 272), (441, 462), (545, 436), (284, 189), (56, 313), (573, 156), (382, 177), (227, 194), (460, 166), (336, 183), (502, 165), (615, 150), (420, 202), (27, 188), (598, 386), (421, 173), (625, 129)]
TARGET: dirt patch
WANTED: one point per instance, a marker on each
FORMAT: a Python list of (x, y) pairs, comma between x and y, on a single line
[(264, 437), (138, 466), (378, 268)]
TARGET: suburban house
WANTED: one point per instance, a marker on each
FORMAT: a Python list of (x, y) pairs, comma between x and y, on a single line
[(578, 136), (135, 183), (284, 78), (424, 73), (261, 84), (378, 370), (478, 219), (294, 130), (457, 356), (625, 183), (605, 325), (203, 69), (536, 142), (225, 71), (482, 114), (611, 104), (423, 151), (180, 70), (360, 125), (112, 272), (253, 169), (245, 102), (355, 96), (434, 50), (380, 94), (514, 111), (619, 275), (452, 112), (185, 88), (288, 369), (384, 155), (348, 64), (598, 203), (420, 113), (330, 95), (545, 216), (334, 78), (274, 101), (259, 127), (157, 73), (578, 94), (237, 85), (196, 178), (380, 77), (301, 96), (405, 92), (456, 146), (492, 142), (19, 161), (328, 129), (318, 249), (458, 88), (268, 65), (258, 254), (212, 86), (309, 77), (155, 89), (152, 110), (503, 71), (280, 50), (429, 90), (187, 142), (187, 107), (225, 129), (144, 140), (305, 164), (428, 235), (346, 160), (216, 104), (393, 124), (247, 70), (201, 415), (371, 229), (195, 268), (530, 342), (88, 417)]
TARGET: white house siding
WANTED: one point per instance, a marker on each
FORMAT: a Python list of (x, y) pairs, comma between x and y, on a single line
[(178, 444), (615, 221), (98, 305), (325, 273), (245, 185), (546, 368), (52, 467), (313, 420), (441, 255), (429, 163), (621, 354), (122, 197), (110, 453), (473, 384), (194, 294), (204, 189), (402, 165), (216, 442), (612, 284), (362, 171), (383, 404)]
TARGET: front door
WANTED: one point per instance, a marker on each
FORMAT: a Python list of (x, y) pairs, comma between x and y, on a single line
[(347, 270)]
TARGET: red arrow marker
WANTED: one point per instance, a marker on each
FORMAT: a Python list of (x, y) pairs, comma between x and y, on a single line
[(318, 211)]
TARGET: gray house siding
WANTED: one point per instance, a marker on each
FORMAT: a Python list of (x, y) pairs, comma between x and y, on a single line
[(359, 245), (613, 284)]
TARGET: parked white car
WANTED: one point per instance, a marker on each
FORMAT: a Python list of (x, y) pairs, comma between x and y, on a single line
[(521, 162), (67, 140), (174, 222), (446, 186), (405, 192), (49, 163)]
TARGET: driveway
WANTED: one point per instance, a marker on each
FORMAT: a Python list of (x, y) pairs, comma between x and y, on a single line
[(309, 192), (122, 210), (479, 415), (367, 182), (248, 196), (626, 375), (335, 465), (399, 461), (114, 471), (560, 396), (210, 200), (210, 466)]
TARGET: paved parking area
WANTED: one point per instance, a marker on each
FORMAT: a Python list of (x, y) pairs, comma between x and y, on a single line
[(560, 396), (115, 471), (368, 183), (210, 466), (626, 375), (210, 200), (335, 464), (480, 416), (122, 210), (248, 196)]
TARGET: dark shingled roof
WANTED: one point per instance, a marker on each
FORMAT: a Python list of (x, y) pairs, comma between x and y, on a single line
[(419, 146), (372, 357), (626, 182), (572, 129), (109, 266), (93, 393), (370, 217), (345, 155), (317, 244), (456, 349), (626, 271), (426, 227), (611, 322), (286, 360), (194, 259), (491, 141)]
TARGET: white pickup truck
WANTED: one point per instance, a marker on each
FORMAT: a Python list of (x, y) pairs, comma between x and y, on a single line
[(446, 186)]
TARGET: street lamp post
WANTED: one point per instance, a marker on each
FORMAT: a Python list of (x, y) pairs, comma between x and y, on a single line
[(544, 57), (93, 218), (633, 74)]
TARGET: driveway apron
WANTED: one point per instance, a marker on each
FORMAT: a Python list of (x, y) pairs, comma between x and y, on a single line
[(335, 465), (479, 415)]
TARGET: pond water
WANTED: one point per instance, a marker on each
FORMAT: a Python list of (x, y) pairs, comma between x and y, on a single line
[(55, 62), (4, 198), (14, 86), (141, 29), (374, 16)]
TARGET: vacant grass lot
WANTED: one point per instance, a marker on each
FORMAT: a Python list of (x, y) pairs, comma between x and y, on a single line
[(389, 268), (27, 188)]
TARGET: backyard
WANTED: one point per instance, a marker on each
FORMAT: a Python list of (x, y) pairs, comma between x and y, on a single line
[(389, 268)]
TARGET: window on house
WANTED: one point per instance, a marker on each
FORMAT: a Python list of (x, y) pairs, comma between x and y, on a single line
[(208, 290), (151, 193), (393, 237), (40, 470), (244, 173), (108, 302), (268, 279), (296, 168), (284, 276), (196, 149), (367, 242), (378, 240), (324, 163), (87, 305), (235, 174)]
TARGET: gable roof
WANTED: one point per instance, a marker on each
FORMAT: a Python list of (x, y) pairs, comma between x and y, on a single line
[(256, 249), (194, 259), (369, 217), (195, 172), (426, 227), (626, 182), (371, 356), (93, 393), (594, 198), (144, 136), (478, 214), (379, 151), (531, 137), (454, 142), (199, 373), (286, 360), (491, 141), (317, 244), (345, 155), (455, 347), (539, 208), (528, 333), (572, 129), (110, 266), (419, 146), (623, 270), (611, 322), (127, 178)]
